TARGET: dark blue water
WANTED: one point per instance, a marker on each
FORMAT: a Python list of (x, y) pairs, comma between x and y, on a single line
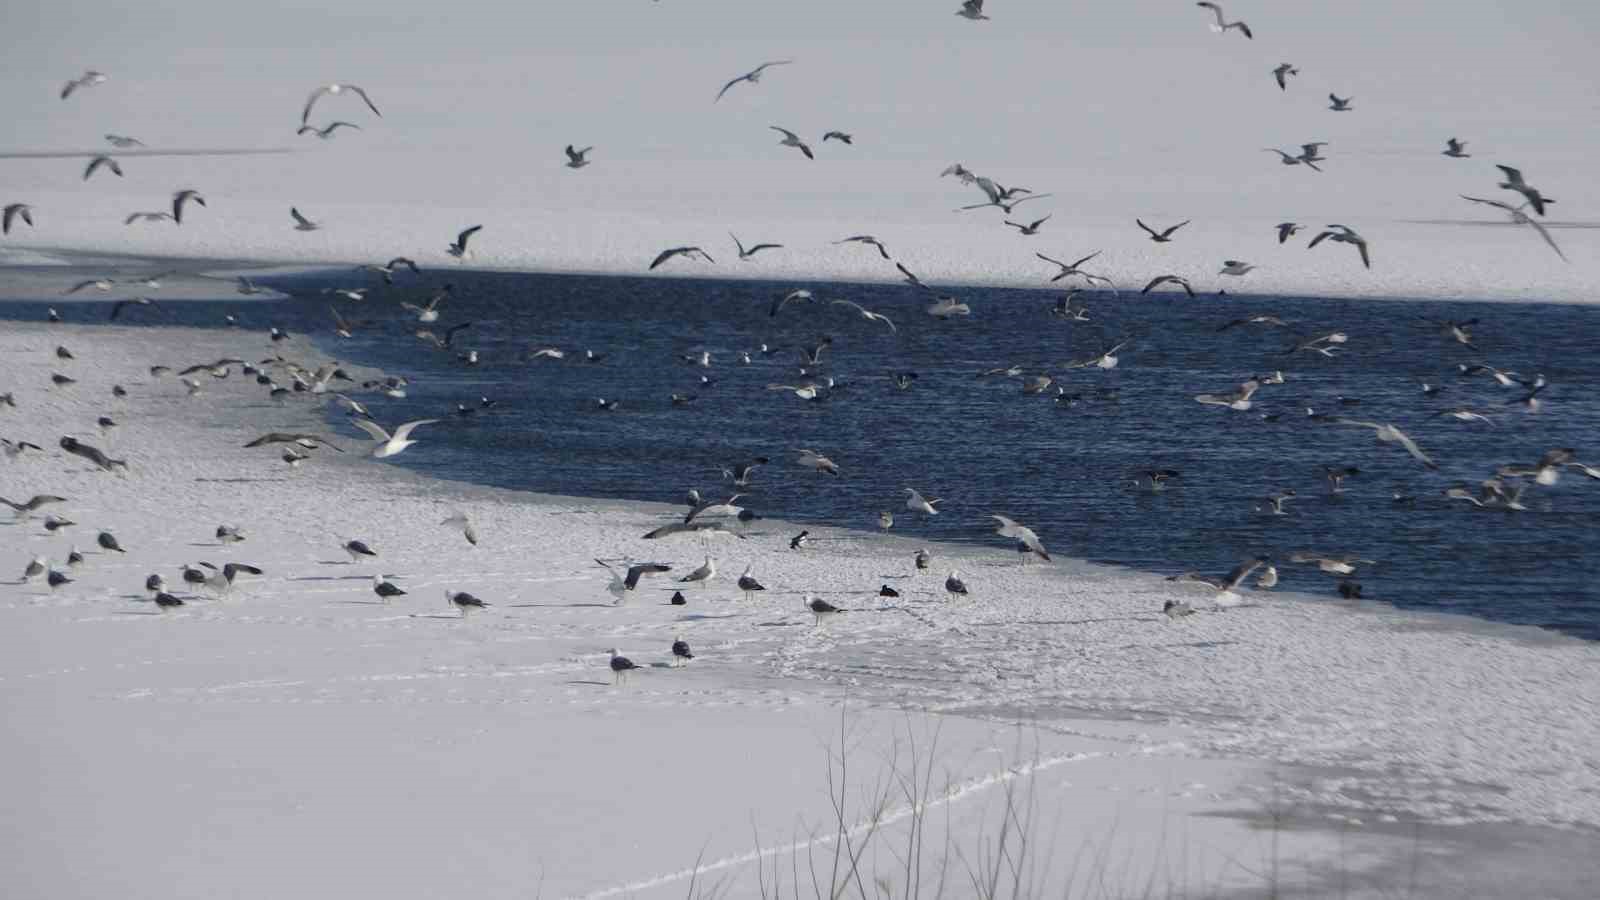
[(986, 447)]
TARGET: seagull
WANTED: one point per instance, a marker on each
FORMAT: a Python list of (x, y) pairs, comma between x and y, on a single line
[(911, 278), (1010, 528), (839, 136), (1155, 480), (1176, 609), (865, 313), (326, 131), (681, 652), (14, 211), (430, 312), (1070, 309), (221, 581), (165, 601), (1235, 267), (1513, 182), (1068, 269), (799, 540), (385, 588), (705, 572), (745, 254), (748, 584), (248, 287), (752, 76), (1274, 503), (868, 240), (790, 139), (459, 248), (358, 549), (954, 584), (181, 199), (463, 601), (301, 223), (820, 607), (1282, 73), (1222, 25), (1031, 228), (308, 441), (62, 380), (1465, 415), (92, 454), (54, 523), (1333, 565), (620, 667), (811, 459), (108, 541), (1546, 471), (885, 520), (1326, 344), (102, 161), (740, 474), (1336, 476), (710, 509), (1287, 230), (922, 559), (1225, 584), (158, 216), (962, 172), (998, 195), (120, 305), (972, 10), (1340, 104), (1521, 218), (945, 307), (1105, 359), (1344, 235), (13, 449), (88, 79), (23, 510), (388, 269), (575, 157), (1389, 434), (36, 567), (123, 142), (331, 89), (386, 445), (1255, 320), (1290, 160), (1455, 149), (1168, 279), (689, 252), (1239, 399), (628, 580), (1161, 237), (56, 579), (796, 296), (917, 503), (229, 534)]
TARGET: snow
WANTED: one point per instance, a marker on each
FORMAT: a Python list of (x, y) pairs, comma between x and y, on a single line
[(301, 737)]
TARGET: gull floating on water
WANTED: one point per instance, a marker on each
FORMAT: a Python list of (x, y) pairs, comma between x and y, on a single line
[(331, 90), (753, 76), (386, 445), (1223, 26)]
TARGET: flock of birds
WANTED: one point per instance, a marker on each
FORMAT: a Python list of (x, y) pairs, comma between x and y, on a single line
[(283, 378)]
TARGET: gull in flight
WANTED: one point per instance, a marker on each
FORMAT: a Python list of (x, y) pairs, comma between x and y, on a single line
[(332, 89), (123, 142), (869, 240), (745, 254), (797, 296), (972, 10), (1225, 584), (1275, 503), (326, 131), (1001, 196), (575, 157), (1282, 73), (1513, 182), (790, 139), (1010, 528), (1339, 104), (1070, 309), (388, 269), (1105, 359), (811, 459), (1239, 399), (1333, 565), (865, 313), (911, 277), (1389, 434), (1223, 26), (1465, 415), (301, 223), (1235, 267), (182, 199), (1287, 230), (1255, 320), (1326, 344), (1168, 279), (1344, 235), (102, 160), (459, 248), (1029, 229), (1455, 149), (705, 572), (99, 284), (839, 136), (1069, 269), (90, 78), (918, 503), (962, 172), (625, 582), (1519, 217), (1308, 157), (1161, 237), (430, 312), (386, 445), (147, 217), (14, 211), (688, 252), (752, 76), (945, 307)]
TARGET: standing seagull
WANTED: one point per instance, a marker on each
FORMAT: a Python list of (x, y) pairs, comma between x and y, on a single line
[(1223, 26), (1161, 237), (575, 157), (14, 211), (954, 584), (463, 601), (1012, 529), (385, 589), (748, 583), (705, 572), (108, 541), (620, 666), (752, 76), (972, 10), (387, 445), (790, 139), (1344, 235), (689, 252), (459, 248), (820, 607), (681, 652), (182, 199), (329, 89)]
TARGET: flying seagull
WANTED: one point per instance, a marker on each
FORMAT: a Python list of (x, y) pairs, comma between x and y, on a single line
[(689, 252), (1223, 26), (745, 254), (156, 216), (1068, 269), (120, 305), (102, 161), (181, 199), (461, 523), (918, 503), (865, 313), (790, 139), (1161, 237), (811, 459), (1389, 434), (1521, 218), (1339, 104), (1168, 279), (1344, 235), (911, 277), (752, 76), (331, 89), (1239, 399), (839, 136), (1287, 230), (92, 454), (308, 441), (1225, 584), (386, 445), (123, 142), (1455, 149), (1235, 267), (625, 582), (869, 240), (1010, 528), (88, 79), (326, 131), (1513, 182), (972, 10), (1001, 196), (575, 157), (1029, 229), (459, 248), (14, 211), (1282, 73)]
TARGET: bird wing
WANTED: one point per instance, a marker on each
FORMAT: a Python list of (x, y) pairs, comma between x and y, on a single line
[(730, 84), (1319, 239), (1169, 231), (363, 94), (305, 114), (374, 429), (404, 431), (466, 235), (1513, 176), (855, 306), (1217, 10), (788, 134), (1537, 227), (299, 218), (1147, 228), (665, 255), (1412, 448)]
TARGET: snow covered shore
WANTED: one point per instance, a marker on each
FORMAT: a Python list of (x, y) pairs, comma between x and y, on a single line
[(299, 736)]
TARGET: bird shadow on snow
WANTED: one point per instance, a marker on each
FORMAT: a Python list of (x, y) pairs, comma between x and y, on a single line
[(330, 578), (138, 612), (599, 683), (696, 617), (1010, 622), (334, 562), (563, 605), (360, 602), (437, 616), (208, 544)]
